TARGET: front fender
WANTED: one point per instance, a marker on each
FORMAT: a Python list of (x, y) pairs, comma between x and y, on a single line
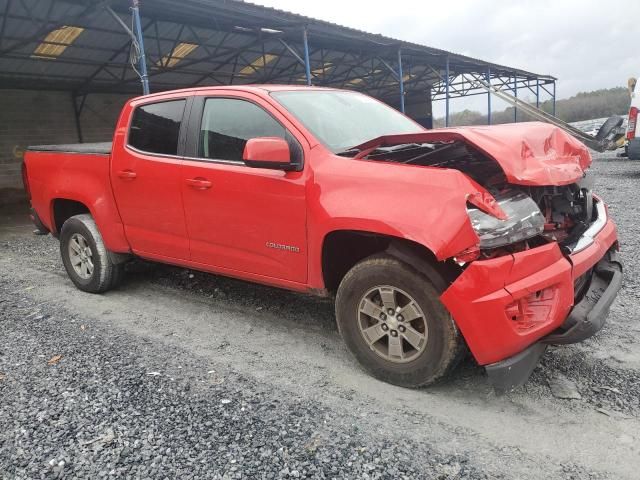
[(423, 204)]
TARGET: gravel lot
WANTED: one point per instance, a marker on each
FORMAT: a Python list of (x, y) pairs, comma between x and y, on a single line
[(179, 374)]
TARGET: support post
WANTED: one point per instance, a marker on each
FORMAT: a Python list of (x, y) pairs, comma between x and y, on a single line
[(144, 76), (446, 93), (307, 60), (537, 93), (515, 94), (401, 80), (489, 96), (554, 99)]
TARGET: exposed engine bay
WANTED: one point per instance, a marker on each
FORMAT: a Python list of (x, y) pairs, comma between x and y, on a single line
[(456, 155), (568, 211), (565, 212)]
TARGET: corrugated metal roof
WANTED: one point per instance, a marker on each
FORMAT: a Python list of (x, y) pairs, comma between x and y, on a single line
[(384, 39), (230, 34)]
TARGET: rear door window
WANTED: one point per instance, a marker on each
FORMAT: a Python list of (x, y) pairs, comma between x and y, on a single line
[(155, 127)]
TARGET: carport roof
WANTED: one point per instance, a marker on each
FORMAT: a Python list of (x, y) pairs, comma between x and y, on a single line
[(208, 42)]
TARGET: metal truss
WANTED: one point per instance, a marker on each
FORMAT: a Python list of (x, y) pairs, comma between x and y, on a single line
[(233, 50)]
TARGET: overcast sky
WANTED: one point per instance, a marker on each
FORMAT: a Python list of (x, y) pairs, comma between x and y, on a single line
[(587, 44)]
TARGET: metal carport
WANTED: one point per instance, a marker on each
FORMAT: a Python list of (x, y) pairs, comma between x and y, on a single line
[(208, 42)]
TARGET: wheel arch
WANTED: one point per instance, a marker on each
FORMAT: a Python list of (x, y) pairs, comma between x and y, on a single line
[(97, 270), (63, 209), (342, 249)]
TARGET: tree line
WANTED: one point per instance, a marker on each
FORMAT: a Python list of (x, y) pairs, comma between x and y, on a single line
[(582, 106)]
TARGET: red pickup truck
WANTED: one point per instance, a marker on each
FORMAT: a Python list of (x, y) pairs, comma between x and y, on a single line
[(433, 242)]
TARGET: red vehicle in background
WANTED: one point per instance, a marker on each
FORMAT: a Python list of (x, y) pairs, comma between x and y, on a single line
[(433, 242), (633, 128)]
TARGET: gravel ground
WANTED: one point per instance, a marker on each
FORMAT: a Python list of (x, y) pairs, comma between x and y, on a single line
[(183, 374), (88, 401)]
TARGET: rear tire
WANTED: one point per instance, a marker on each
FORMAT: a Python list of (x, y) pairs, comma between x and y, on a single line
[(633, 149), (430, 344), (85, 256)]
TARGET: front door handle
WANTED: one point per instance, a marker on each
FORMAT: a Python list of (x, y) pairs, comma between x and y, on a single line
[(199, 183), (127, 174)]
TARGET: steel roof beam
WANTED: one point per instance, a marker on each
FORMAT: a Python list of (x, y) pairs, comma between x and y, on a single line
[(228, 59), (46, 28), (254, 16), (292, 51), (350, 52), (74, 45), (119, 51), (87, 26)]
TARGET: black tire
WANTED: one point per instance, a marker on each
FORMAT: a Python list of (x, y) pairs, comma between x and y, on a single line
[(118, 275), (106, 274), (633, 149), (444, 344)]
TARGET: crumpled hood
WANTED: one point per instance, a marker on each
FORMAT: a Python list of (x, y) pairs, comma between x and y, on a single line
[(531, 153)]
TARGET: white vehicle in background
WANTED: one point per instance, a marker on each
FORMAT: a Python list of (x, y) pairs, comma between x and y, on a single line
[(633, 135)]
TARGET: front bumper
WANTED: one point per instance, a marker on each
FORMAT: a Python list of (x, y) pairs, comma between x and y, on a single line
[(587, 317), (509, 308)]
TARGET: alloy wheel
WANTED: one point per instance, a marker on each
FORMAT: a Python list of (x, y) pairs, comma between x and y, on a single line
[(81, 256), (392, 323)]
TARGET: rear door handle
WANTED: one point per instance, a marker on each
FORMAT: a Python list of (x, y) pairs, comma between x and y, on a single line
[(199, 183), (127, 174)]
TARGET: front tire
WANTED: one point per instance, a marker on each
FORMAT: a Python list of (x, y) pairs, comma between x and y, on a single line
[(393, 322), (85, 256)]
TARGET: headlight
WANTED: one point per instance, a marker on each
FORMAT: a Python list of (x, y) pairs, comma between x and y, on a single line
[(524, 220)]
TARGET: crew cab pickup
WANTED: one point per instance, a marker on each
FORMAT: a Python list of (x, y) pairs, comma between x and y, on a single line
[(434, 243)]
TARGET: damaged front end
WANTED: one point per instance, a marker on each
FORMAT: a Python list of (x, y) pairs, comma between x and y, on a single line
[(545, 268), (553, 284), (521, 220), (569, 211), (529, 193), (539, 215)]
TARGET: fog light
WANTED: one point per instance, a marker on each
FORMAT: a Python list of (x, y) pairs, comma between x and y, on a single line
[(533, 310)]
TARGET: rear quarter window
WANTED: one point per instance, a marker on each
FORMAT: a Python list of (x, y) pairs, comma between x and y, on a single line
[(155, 127)]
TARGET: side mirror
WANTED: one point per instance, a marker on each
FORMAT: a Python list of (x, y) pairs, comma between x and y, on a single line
[(267, 152)]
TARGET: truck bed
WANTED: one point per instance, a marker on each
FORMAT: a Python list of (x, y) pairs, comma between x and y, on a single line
[(100, 148), (76, 174)]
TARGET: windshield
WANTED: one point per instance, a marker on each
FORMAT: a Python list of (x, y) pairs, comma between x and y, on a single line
[(343, 120)]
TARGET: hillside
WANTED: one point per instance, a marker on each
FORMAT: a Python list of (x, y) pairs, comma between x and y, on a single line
[(583, 106)]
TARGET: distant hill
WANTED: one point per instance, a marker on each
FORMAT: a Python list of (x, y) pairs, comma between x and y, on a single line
[(583, 106)]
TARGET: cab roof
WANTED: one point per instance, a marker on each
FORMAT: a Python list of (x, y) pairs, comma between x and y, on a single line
[(259, 88)]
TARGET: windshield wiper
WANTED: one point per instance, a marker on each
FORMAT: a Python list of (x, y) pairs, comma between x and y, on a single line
[(349, 152)]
